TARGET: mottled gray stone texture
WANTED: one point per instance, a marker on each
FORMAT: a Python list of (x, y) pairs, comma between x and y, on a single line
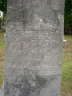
[(34, 43)]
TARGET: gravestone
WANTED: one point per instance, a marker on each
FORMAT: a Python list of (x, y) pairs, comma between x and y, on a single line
[(64, 42), (34, 44)]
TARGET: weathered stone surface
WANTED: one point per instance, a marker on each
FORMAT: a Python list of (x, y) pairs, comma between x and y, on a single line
[(34, 41)]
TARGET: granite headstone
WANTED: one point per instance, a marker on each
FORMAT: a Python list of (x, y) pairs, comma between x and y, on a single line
[(34, 44)]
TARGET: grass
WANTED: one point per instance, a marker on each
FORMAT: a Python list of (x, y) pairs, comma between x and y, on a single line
[(2, 56), (66, 86)]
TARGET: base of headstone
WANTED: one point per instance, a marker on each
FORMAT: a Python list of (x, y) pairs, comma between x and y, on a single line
[(2, 90)]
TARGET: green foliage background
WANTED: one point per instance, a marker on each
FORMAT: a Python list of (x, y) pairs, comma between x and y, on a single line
[(3, 6), (68, 12)]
